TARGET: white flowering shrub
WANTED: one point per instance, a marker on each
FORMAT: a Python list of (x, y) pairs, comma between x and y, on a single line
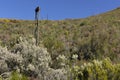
[(61, 61), (8, 60), (34, 57), (31, 60)]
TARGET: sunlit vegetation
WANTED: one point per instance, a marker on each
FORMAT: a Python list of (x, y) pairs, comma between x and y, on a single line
[(93, 38)]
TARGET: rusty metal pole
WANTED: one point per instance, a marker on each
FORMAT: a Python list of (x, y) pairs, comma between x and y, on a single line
[(36, 33)]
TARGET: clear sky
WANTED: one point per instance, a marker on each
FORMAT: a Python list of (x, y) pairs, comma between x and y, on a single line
[(55, 9)]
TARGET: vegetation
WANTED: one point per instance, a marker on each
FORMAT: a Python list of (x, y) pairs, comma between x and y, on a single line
[(17, 76), (28, 60), (97, 70), (92, 39)]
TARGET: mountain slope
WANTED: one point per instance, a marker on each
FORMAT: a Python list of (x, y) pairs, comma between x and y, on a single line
[(95, 37)]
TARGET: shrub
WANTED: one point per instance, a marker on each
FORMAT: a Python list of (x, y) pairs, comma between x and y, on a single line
[(31, 60), (17, 76), (97, 70)]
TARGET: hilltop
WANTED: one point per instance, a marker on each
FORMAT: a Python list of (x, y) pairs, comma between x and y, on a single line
[(95, 37)]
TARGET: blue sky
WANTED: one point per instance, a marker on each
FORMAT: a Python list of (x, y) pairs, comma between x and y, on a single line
[(55, 9)]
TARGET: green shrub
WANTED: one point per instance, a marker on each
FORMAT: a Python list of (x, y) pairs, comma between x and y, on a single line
[(0, 78), (97, 70), (17, 76)]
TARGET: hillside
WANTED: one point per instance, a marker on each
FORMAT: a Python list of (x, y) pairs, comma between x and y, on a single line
[(95, 37), (71, 49)]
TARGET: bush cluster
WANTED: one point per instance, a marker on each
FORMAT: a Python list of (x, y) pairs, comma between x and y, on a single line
[(97, 70), (30, 60)]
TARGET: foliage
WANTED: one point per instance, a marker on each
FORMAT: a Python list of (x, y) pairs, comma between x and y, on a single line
[(29, 59), (92, 38), (17, 76), (0, 78), (97, 70)]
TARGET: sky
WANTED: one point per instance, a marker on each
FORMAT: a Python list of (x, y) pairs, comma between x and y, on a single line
[(55, 9)]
